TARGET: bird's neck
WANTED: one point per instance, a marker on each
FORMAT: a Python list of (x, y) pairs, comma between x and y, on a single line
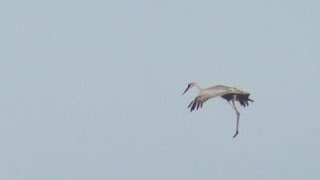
[(198, 87)]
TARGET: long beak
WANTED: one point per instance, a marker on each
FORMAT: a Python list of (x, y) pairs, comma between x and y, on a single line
[(186, 90)]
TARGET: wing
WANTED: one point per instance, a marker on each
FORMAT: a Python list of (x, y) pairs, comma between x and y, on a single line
[(208, 94), (242, 97), (197, 102)]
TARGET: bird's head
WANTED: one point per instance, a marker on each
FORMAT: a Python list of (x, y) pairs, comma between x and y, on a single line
[(190, 85)]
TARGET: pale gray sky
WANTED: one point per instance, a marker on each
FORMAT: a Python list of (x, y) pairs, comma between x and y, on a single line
[(91, 90)]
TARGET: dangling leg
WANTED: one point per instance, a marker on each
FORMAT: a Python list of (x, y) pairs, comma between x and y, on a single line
[(238, 117)]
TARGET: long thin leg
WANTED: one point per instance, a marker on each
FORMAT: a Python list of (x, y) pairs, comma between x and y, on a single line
[(238, 117)]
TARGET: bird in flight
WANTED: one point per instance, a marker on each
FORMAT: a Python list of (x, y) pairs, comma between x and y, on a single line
[(231, 94)]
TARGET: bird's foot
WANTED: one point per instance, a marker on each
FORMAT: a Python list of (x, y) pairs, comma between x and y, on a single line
[(235, 134)]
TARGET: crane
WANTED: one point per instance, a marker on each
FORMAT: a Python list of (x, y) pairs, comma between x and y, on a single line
[(231, 94)]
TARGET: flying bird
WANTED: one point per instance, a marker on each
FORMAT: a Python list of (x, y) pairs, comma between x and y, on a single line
[(231, 94)]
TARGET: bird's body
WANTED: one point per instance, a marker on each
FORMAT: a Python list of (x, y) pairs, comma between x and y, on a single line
[(228, 93)]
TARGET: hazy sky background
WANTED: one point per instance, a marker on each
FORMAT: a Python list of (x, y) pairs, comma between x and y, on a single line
[(91, 90)]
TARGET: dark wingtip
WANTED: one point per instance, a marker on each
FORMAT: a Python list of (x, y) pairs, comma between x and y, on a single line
[(190, 104), (193, 105)]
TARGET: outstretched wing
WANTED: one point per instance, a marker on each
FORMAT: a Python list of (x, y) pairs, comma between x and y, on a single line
[(197, 102), (208, 94), (242, 97)]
